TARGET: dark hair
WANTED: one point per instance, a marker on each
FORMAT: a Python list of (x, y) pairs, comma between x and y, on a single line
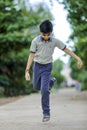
[(46, 27)]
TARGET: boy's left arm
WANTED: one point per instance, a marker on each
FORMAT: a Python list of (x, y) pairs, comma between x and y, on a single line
[(72, 54)]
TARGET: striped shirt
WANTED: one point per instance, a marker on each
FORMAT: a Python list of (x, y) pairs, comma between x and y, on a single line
[(44, 49)]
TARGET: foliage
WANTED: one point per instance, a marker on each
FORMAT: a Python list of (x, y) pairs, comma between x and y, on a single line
[(56, 72), (18, 26), (77, 18)]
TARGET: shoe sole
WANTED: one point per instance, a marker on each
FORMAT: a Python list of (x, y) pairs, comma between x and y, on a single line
[(45, 120)]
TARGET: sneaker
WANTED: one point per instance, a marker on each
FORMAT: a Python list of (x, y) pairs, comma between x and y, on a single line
[(53, 81), (46, 118)]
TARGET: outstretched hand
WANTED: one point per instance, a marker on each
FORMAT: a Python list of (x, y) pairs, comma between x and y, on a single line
[(27, 76), (79, 63)]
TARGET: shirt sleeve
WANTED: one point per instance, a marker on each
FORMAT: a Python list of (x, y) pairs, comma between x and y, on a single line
[(33, 47), (60, 44)]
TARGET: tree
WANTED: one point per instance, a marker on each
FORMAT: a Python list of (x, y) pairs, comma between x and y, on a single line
[(18, 26), (77, 18)]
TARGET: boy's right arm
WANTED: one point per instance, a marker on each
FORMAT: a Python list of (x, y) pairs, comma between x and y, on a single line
[(30, 60)]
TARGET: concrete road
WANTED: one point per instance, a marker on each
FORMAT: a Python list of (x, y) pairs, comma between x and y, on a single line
[(68, 112)]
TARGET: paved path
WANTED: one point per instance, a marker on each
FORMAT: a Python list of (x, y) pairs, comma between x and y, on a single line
[(68, 112)]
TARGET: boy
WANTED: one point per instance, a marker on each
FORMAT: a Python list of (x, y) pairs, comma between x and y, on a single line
[(41, 50)]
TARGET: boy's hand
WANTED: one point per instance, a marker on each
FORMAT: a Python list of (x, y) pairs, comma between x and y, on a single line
[(80, 63), (27, 76)]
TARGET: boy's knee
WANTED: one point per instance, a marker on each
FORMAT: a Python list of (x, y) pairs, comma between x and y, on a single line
[(36, 87)]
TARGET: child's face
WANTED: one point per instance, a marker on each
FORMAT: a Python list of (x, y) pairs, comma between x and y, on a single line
[(45, 36)]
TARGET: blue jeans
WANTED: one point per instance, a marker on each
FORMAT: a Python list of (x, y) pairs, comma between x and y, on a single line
[(42, 81)]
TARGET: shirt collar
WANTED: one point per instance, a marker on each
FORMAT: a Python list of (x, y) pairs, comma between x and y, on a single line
[(49, 40)]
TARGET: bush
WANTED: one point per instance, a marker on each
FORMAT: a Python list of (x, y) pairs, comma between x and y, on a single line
[(1, 91), (84, 87), (56, 72), (13, 75)]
